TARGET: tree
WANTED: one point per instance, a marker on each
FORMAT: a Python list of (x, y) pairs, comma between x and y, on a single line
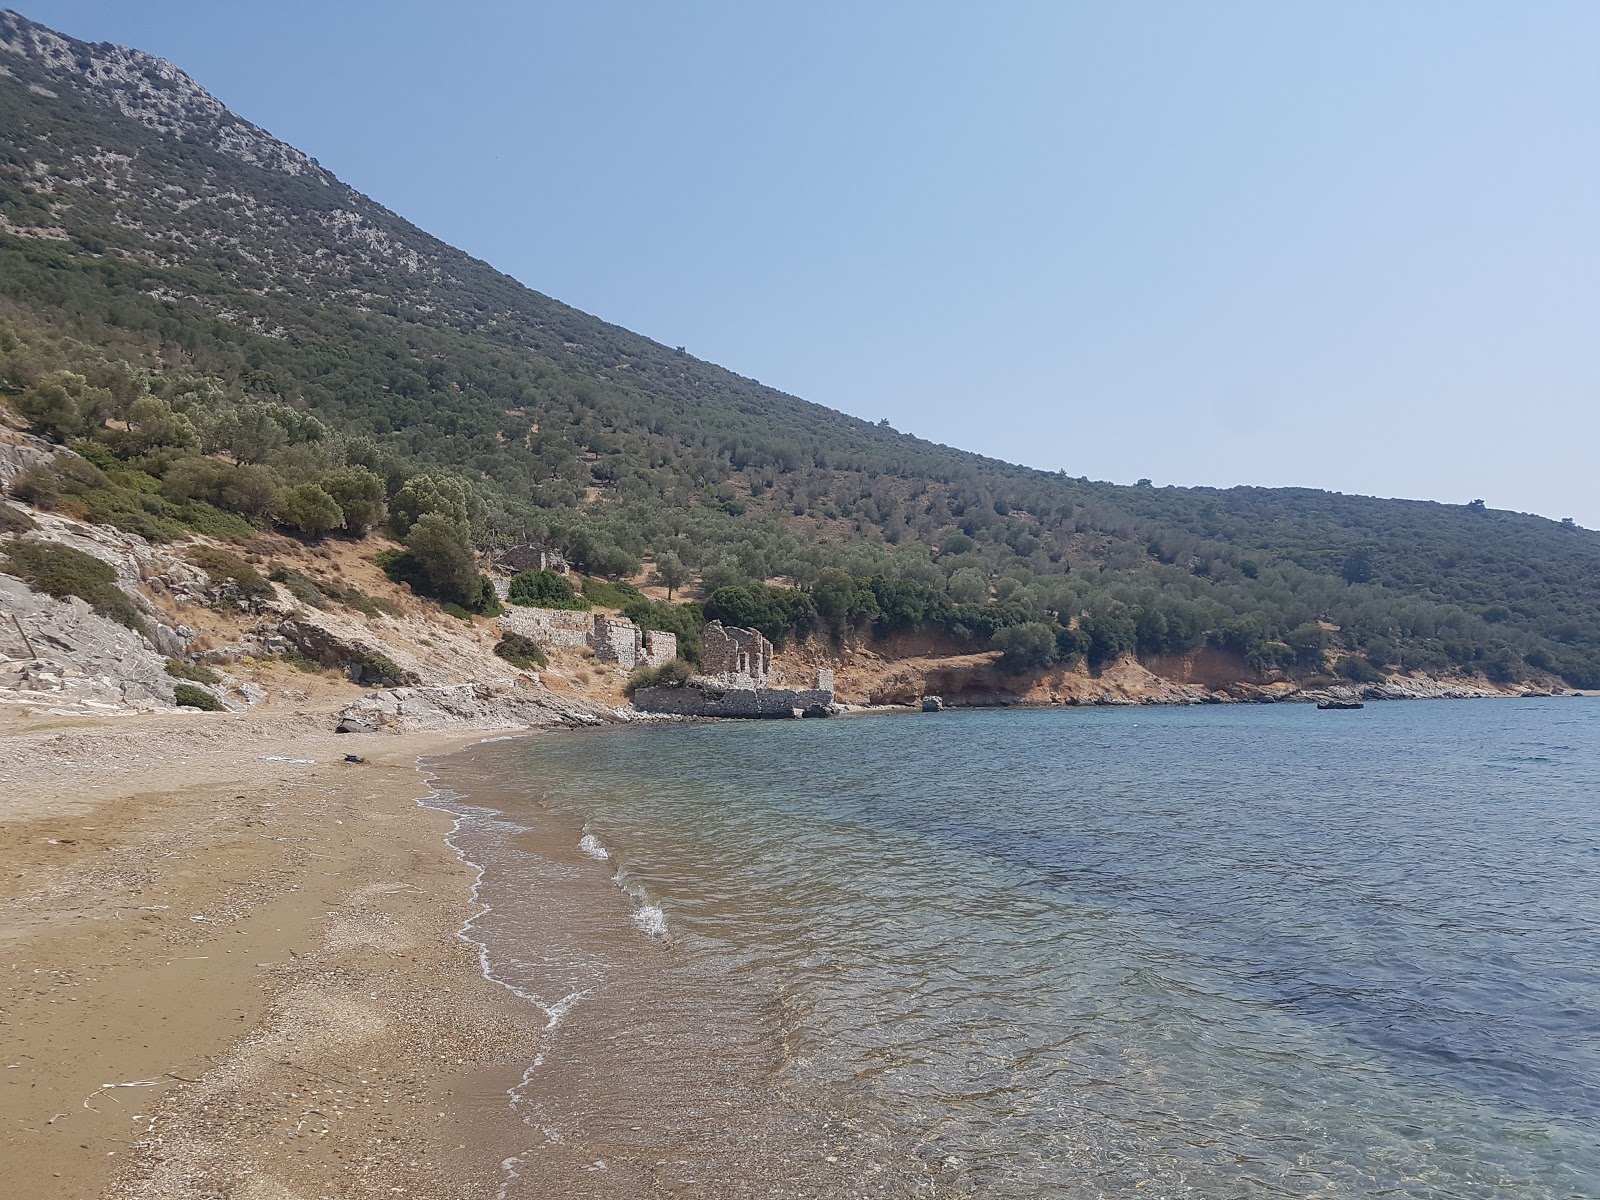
[(1110, 634), (63, 405), (968, 586), (309, 509), (1358, 567), (252, 492), (249, 432), (441, 495), (155, 424), (1024, 647), (359, 493), (843, 602), (439, 548), (1308, 643), (670, 572)]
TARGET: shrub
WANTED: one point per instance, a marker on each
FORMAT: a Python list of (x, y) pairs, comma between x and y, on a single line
[(685, 621), (13, 521), (38, 486), (62, 571), (383, 667), (545, 589), (187, 695), (302, 587), (1357, 670), (521, 651), (250, 491), (610, 595), (226, 565), (672, 674), (212, 521), (193, 672)]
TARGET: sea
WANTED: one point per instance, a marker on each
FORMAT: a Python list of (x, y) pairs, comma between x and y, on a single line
[(1219, 951)]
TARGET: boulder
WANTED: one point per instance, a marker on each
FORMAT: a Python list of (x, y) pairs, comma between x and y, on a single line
[(932, 704)]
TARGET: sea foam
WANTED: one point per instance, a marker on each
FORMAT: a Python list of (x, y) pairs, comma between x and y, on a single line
[(651, 920)]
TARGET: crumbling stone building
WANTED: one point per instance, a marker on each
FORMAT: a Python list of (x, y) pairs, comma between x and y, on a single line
[(738, 656), (735, 681), (613, 639)]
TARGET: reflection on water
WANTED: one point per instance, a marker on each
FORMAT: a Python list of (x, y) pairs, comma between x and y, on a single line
[(1201, 952)]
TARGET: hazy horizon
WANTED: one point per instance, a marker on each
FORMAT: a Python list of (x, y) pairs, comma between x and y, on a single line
[(1247, 244)]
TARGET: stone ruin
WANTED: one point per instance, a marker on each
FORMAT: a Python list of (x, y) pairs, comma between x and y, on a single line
[(734, 679), (739, 657), (613, 639), (528, 557)]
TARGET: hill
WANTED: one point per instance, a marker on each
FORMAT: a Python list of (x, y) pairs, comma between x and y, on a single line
[(233, 338)]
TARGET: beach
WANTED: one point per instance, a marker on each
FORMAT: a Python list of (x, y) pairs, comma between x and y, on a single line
[(231, 966)]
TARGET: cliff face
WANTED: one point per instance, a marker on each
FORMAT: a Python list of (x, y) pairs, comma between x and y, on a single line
[(900, 674)]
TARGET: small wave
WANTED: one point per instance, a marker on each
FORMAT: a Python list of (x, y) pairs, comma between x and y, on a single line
[(593, 847), (651, 920)]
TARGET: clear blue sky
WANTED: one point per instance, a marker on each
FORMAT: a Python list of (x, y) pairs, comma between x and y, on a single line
[(1351, 245)]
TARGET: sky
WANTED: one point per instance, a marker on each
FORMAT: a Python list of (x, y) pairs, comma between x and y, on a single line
[(1353, 246)]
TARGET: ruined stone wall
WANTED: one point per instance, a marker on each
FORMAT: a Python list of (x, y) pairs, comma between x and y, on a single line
[(660, 648), (613, 639), (616, 640), (701, 698), (733, 653), (549, 626)]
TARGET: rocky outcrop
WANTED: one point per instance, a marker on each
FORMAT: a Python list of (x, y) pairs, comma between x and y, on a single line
[(319, 639), (20, 452), (56, 653), (471, 706)]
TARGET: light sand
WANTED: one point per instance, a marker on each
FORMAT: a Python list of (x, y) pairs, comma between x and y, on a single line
[(264, 950)]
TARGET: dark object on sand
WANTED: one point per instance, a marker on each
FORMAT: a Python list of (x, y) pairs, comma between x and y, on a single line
[(355, 758), (1340, 704)]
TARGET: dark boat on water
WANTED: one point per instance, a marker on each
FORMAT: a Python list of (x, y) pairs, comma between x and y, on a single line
[(1340, 704)]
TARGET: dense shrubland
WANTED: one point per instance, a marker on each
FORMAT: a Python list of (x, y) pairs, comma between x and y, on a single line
[(225, 365)]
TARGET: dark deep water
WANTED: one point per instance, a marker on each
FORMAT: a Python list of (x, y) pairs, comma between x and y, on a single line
[(1212, 952)]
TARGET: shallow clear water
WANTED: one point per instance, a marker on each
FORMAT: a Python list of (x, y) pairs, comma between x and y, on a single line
[(1223, 951)]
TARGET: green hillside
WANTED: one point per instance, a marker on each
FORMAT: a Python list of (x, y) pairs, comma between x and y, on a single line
[(235, 339)]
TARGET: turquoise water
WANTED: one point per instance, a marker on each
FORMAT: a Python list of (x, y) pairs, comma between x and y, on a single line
[(1208, 952)]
